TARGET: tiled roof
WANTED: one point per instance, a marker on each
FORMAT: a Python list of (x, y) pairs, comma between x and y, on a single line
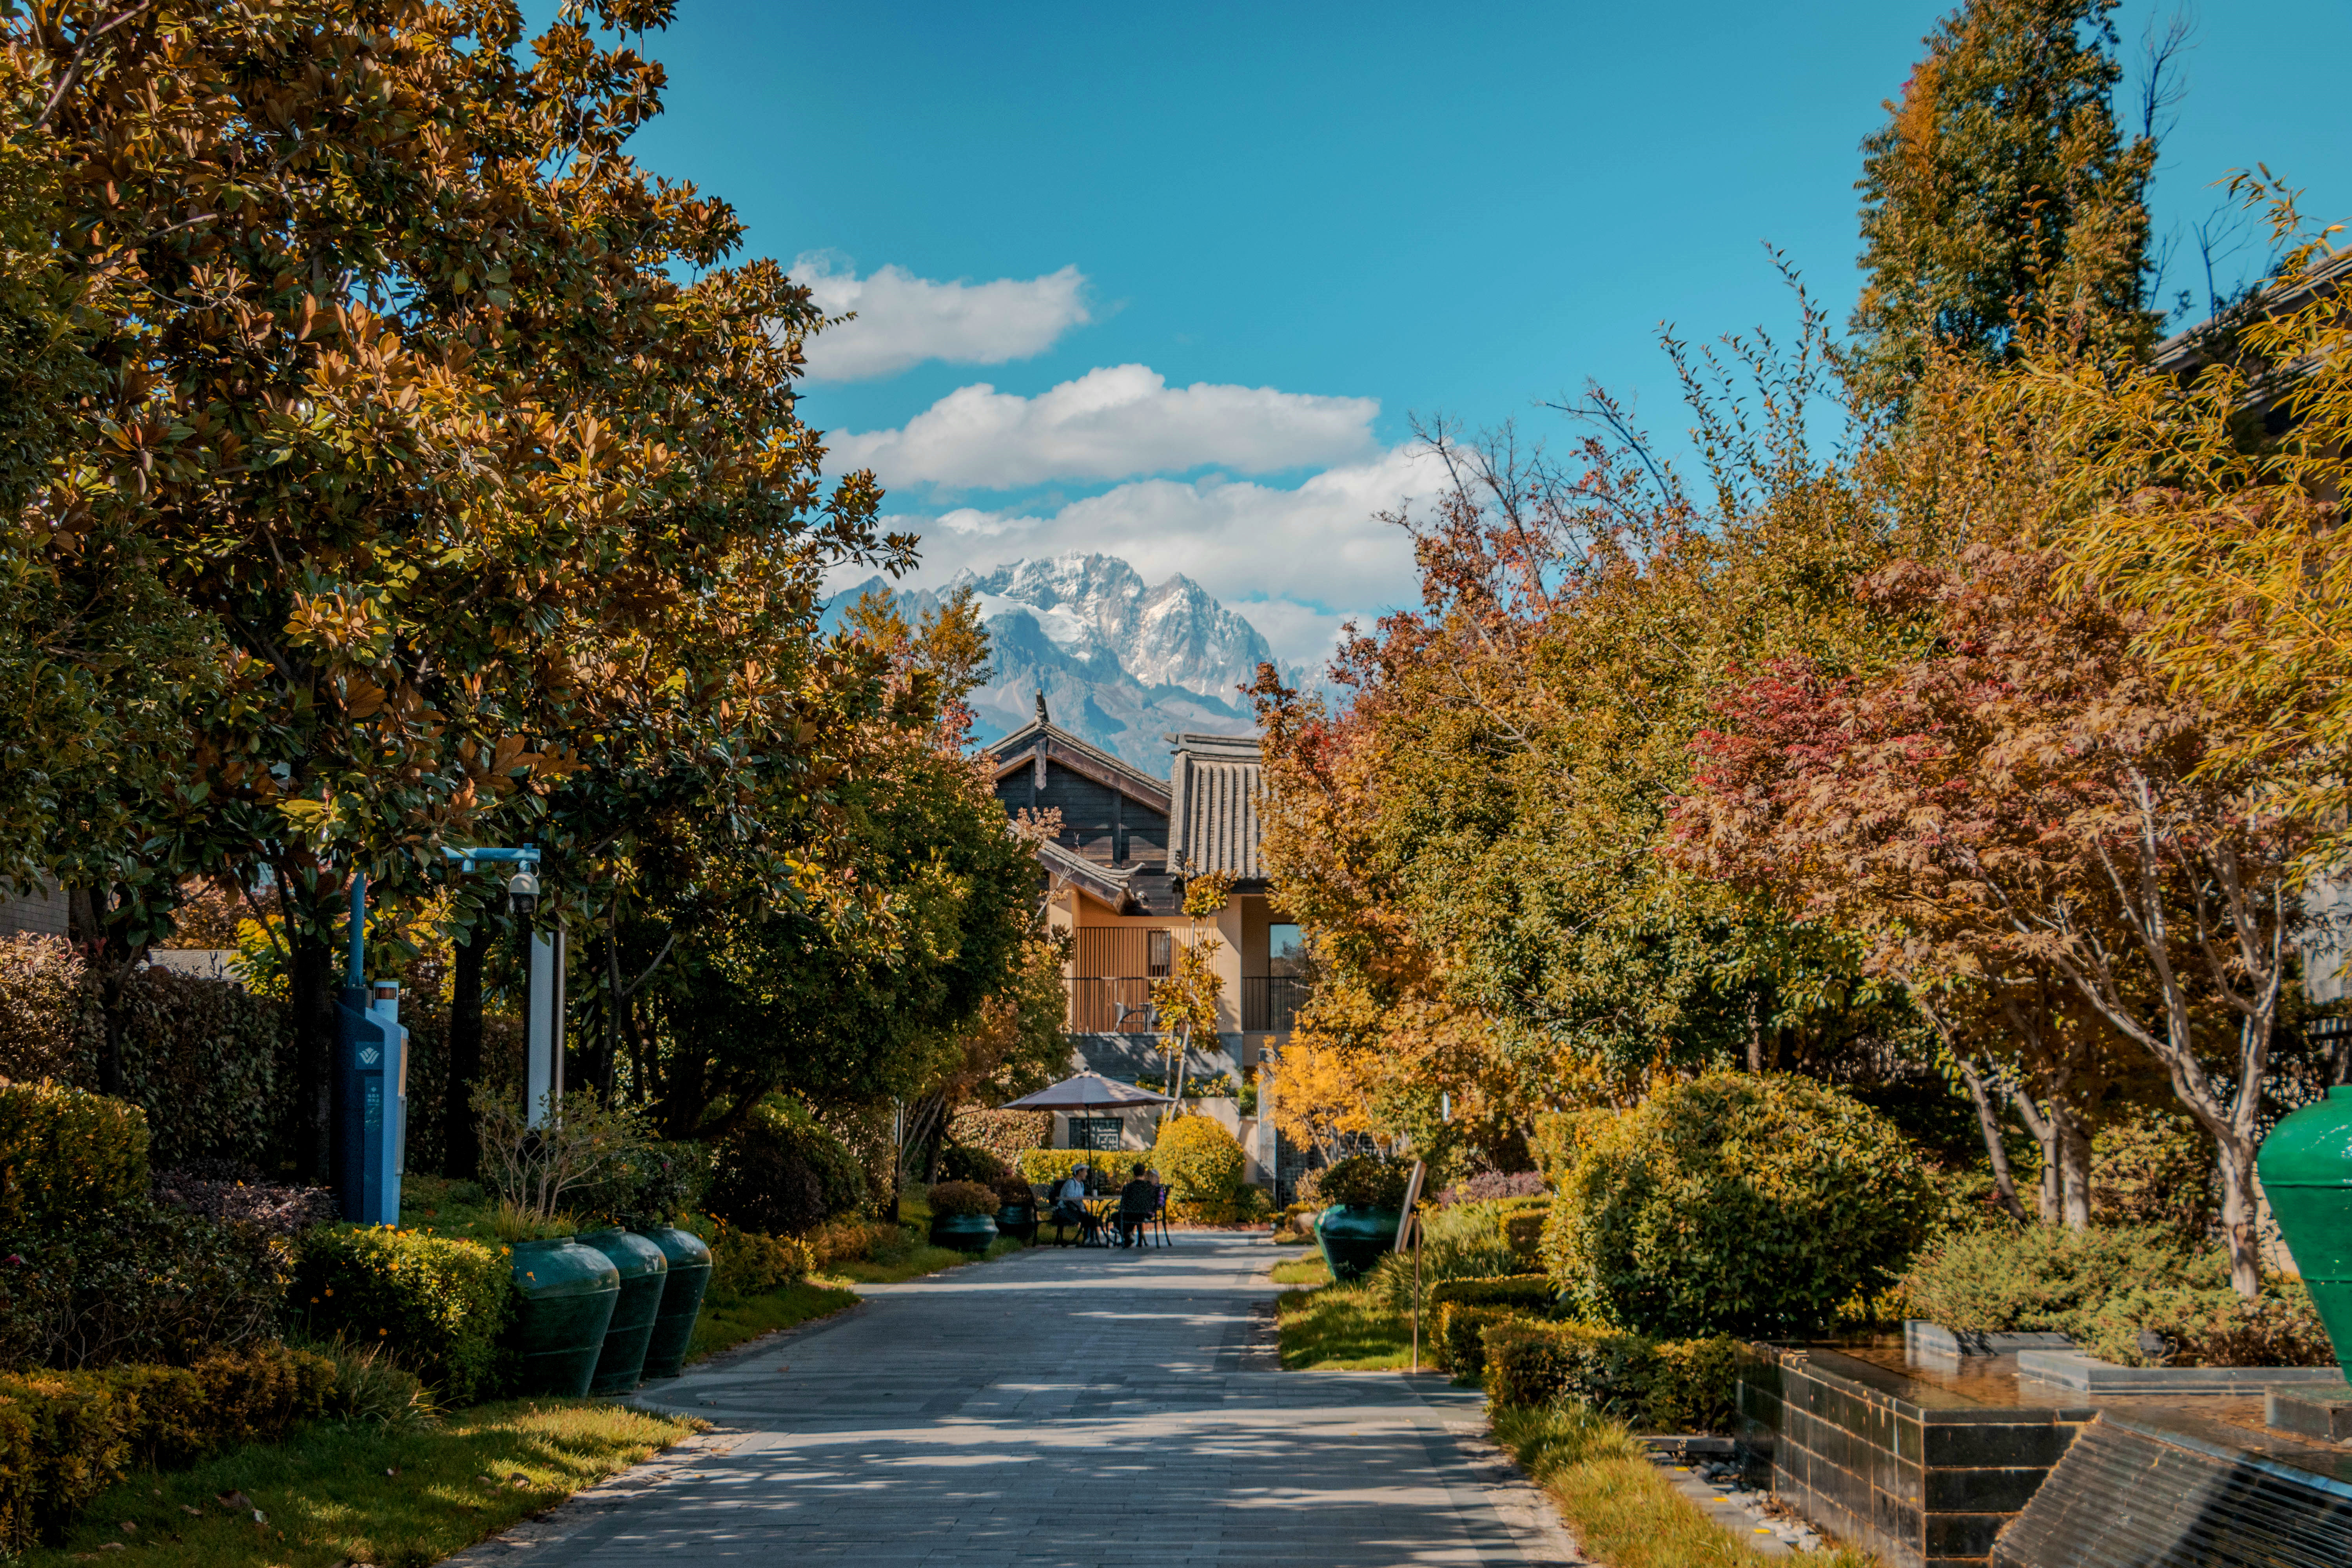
[(1214, 825), (1103, 883), (1020, 749)]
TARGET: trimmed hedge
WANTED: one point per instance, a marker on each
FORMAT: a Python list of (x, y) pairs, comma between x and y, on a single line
[(958, 1164), (1654, 1386), (64, 1437), (1458, 1342), (205, 1060), (64, 1152), (1528, 1292), (1525, 1231), (1051, 1167), (136, 1282), (435, 1303)]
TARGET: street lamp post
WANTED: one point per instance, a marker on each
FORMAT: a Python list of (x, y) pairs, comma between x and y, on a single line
[(543, 1002)]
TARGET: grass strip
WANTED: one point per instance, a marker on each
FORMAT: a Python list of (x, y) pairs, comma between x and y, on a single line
[(1302, 1271), (1341, 1328), (724, 1324), (894, 1265), (336, 1493), (1623, 1511)]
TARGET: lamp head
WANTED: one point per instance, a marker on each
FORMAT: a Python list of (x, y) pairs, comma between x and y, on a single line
[(522, 892)]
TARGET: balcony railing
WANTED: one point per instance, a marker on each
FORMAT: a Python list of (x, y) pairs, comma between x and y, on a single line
[(1122, 1005), (1270, 1003), (1117, 1004)]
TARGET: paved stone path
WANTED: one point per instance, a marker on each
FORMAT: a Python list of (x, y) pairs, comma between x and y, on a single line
[(1061, 1406)]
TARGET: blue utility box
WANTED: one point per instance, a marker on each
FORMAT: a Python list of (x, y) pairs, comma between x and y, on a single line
[(372, 1095)]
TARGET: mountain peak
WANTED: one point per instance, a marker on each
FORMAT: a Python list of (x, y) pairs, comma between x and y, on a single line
[(1121, 661)]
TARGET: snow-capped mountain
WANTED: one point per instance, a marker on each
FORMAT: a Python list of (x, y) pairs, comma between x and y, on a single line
[(1121, 661)]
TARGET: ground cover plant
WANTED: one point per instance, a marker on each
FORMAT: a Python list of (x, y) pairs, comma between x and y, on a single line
[(2103, 1287), (361, 1493), (1624, 1514)]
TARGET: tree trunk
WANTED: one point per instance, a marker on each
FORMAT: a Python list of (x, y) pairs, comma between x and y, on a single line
[(2239, 1208), (461, 1144), (1755, 1037), (2004, 1180), (2074, 1167), (2044, 1129), (311, 984)]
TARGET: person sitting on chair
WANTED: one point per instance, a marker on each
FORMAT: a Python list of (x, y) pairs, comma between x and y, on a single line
[(1136, 1202), (1070, 1205)]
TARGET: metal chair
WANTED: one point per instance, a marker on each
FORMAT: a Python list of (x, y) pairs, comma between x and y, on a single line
[(1136, 1221), (1159, 1216)]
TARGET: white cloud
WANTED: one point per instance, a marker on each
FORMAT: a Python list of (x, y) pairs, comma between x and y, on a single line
[(1110, 424), (903, 320), (1294, 562)]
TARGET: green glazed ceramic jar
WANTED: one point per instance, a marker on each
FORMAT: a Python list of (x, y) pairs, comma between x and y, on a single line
[(683, 1284), (567, 1294), (621, 1365), (964, 1232), (2305, 1165), (1354, 1235)]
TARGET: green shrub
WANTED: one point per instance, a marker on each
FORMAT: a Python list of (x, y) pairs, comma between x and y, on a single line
[(1655, 1385), (370, 1389), (659, 1182), (2007, 1278), (437, 1303), (1362, 1179), (64, 1153), (1007, 1134), (1202, 1165), (137, 1282), (1458, 1338), (958, 1164), (1735, 1203), (1525, 1230), (744, 1263), (1464, 1242), (781, 1173), (2154, 1170), (64, 1437), (957, 1198)]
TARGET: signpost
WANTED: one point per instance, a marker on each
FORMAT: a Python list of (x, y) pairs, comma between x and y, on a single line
[(1409, 1231)]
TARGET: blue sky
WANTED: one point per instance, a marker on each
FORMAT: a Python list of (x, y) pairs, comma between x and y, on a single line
[(1211, 259)]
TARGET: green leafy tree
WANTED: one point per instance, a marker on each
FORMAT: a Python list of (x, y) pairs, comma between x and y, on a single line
[(431, 404), (2001, 196)]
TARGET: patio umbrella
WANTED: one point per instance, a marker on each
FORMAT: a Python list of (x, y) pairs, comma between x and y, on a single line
[(1086, 1092)]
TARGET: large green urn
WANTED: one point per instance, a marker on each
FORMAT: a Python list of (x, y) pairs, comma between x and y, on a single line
[(681, 1301), (2305, 1165), (566, 1296), (1354, 1236), (621, 1365), (964, 1232), (1017, 1220)]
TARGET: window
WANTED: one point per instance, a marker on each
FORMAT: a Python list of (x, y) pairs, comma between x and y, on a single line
[(1100, 1132), (1159, 953), (1286, 947)]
